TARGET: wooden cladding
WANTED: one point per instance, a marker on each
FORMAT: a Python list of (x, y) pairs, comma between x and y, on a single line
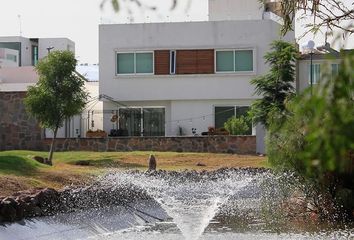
[(162, 62), (195, 61), (187, 62)]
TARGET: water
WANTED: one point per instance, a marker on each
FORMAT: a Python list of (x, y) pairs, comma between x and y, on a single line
[(185, 206)]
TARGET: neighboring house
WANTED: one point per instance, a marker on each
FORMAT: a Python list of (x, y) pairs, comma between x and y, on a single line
[(171, 79), (325, 60), (30, 50)]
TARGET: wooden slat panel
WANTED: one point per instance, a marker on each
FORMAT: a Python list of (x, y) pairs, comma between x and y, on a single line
[(186, 62), (205, 61), (162, 62), (195, 61)]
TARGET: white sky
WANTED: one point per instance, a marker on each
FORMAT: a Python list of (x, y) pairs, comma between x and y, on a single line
[(79, 20)]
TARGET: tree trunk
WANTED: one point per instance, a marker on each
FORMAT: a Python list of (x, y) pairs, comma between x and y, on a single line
[(52, 147)]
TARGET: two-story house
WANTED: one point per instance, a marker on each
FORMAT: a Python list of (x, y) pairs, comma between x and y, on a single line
[(170, 79)]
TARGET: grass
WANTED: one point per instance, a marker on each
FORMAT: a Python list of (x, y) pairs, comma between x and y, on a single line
[(18, 170)]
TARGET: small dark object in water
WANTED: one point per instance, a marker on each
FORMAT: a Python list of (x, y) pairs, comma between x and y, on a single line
[(201, 164), (83, 163), (152, 163)]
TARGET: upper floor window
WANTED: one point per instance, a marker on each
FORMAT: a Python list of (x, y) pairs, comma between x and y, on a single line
[(135, 63), (234, 61), (316, 73), (335, 69)]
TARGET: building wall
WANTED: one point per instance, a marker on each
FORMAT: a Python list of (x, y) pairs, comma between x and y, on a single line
[(43, 43), (17, 129), (303, 78), (184, 114), (254, 34), (58, 44), (5, 62), (220, 10), (26, 48)]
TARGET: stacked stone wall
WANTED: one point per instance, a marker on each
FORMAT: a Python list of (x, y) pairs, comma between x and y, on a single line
[(17, 129)]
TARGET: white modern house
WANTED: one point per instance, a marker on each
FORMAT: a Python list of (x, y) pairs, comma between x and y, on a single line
[(24, 51), (169, 79)]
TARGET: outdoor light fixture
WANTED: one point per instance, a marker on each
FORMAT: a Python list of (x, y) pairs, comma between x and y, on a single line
[(49, 48), (311, 47)]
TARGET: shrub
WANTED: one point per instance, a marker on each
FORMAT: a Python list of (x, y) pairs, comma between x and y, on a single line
[(237, 126)]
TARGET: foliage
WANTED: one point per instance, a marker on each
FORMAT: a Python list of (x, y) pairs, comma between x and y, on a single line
[(59, 94), (237, 125), (316, 138), (277, 85), (330, 14)]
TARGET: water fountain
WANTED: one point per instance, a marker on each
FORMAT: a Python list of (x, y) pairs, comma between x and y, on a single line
[(224, 204)]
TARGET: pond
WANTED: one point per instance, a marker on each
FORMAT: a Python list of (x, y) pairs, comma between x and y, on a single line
[(225, 204)]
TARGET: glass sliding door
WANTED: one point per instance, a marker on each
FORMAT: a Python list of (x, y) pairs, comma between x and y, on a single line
[(130, 121), (154, 121), (222, 114)]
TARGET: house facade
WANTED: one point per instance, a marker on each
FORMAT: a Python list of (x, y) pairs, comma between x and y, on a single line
[(27, 51), (324, 60), (171, 79)]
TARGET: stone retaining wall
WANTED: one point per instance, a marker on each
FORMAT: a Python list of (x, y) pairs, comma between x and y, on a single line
[(212, 144), (17, 129)]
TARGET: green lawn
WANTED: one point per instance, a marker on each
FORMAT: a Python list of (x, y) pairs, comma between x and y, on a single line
[(18, 170)]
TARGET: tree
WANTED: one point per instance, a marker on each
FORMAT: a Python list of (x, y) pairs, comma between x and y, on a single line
[(316, 140), (58, 95), (325, 13), (276, 86)]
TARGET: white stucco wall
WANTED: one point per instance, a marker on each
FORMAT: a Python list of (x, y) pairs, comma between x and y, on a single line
[(255, 34), (58, 44), (220, 10)]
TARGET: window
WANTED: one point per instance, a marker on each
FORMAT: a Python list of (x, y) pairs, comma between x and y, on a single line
[(11, 57), (234, 61), (335, 69), (173, 62), (142, 121), (316, 73), (224, 113), (135, 63), (34, 55)]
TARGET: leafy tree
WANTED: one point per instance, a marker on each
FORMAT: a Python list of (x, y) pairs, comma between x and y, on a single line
[(316, 140), (276, 86), (237, 125), (58, 95)]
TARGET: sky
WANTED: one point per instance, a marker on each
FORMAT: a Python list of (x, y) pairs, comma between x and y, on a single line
[(79, 20)]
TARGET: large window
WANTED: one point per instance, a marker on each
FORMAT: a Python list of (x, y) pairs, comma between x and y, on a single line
[(224, 113), (142, 121), (135, 63), (234, 61), (316, 73)]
